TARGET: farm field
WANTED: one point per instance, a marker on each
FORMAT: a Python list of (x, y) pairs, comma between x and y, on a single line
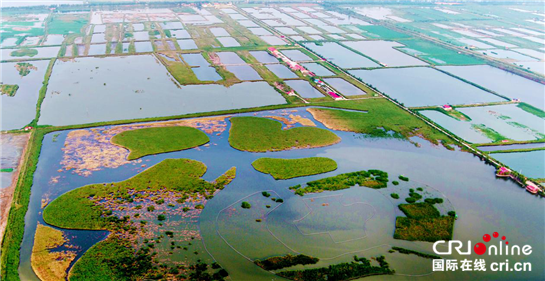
[(270, 141)]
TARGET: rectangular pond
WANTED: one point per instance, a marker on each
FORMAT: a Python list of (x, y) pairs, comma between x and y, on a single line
[(287, 30), (332, 29), (309, 30), (281, 71), (141, 36), (187, 44), (273, 40), (219, 31), (247, 23), (384, 52), (20, 109), (424, 86), (304, 89), (344, 87), (531, 163), (172, 25), (296, 55), (206, 73), (259, 31), (195, 60), (53, 39), (97, 49), (318, 69), (244, 72), (127, 92), (340, 55), (228, 42), (502, 82), (264, 57), (143, 47), (227, 58), (508, 121), (180, 34)]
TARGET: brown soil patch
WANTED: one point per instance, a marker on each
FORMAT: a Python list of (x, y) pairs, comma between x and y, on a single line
[(89, 150), (6, 194), (324, 117), (292, 119)]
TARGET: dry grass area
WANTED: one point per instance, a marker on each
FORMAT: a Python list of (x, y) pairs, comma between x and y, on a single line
[(50, 266), (89, 150), (292, 119)]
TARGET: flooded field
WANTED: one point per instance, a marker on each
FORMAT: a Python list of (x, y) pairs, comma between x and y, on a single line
[(344, 87), (341, 56), (304, 89), (318, 69), (243, 72), (41, 53), (18, 110), (384, 52), (502, 82), (264, 57), (506, 121), (281, 71), (72, 100), (440, 88)]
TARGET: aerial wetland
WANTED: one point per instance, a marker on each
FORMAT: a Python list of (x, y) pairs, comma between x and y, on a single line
[(272, 141), (142, 215)]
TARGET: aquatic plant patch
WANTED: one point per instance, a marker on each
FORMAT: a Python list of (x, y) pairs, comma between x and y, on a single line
[(258, 134), (359, 268), (148, 141), (292, 168), (423, 223), (275, 263), (371, 178), (140, 213)]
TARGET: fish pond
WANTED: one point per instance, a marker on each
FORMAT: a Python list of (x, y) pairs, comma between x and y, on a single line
[(491, 123), (20, 108), (340, 55), (405, 85), (501, 82), (73, 99)]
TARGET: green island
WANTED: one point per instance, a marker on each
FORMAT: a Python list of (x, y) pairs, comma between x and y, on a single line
[(489, 132), (412, 252), (423, 223), (371, 178), (282, 169), (8, 90), (92, 207), (360, 267), (245, 205), (258, 134), (6, 170), (380, 117), (531, 109), (25, 52), (148, 141), (275, 263), (24, 68)]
